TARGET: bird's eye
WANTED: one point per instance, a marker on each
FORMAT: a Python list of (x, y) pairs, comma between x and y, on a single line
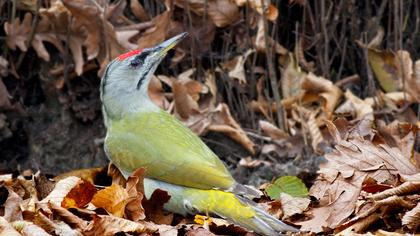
[(139, 59)]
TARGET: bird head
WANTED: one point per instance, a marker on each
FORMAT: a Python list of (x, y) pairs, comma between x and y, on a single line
[(126, 79)]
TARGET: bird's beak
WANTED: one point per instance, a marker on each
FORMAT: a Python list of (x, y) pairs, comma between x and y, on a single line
[(170, 43)]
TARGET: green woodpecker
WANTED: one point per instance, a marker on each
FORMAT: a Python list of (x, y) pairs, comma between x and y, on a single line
[(140, 134)]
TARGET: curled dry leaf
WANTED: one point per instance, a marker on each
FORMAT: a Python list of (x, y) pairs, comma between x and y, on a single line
[(53, 227), (412, 218), (12, 211), (390, 68), (29, 228), (68, 217), (260, 43), (355, 106), (340, 179), (157, 94), (110, 225), (4, 67), (260, 6), (293, 205), (138, 10), (7, 229), (154, 207), (221, 12), (235, 67), (113, 199), (158, 33), (222, 121), (291, 77), (272, 131), (322, 89), (71, 192), (4, 97), (135, 189)]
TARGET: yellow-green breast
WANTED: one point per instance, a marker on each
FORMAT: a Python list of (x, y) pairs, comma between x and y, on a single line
[(167, 149)]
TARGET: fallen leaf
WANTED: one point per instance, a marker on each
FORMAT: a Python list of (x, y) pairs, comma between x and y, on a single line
[(355, 106), (7, 229), (111, 225), (293, 205), (272, 131), (12, 211), (235, 67), (221, 12), (154, 207), (387, 68), (29, 228), (271, 11), (138, 10), (70, 192), (4, 97), (322, 89), (412, 218), (113, 199), (291, 185), (158, 33), (4, 67), (134, 210), (223, 122)]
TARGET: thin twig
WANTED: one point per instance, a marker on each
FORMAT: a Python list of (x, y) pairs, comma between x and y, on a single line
[(271, 71), (31, 34)]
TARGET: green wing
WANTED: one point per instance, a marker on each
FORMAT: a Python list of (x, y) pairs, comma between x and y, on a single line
[(167, 149)]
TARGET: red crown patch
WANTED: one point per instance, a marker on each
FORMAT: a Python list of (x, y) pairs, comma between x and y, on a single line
[(124, 56)]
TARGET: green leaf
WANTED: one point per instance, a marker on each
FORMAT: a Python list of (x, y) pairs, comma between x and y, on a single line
[(291, 185)]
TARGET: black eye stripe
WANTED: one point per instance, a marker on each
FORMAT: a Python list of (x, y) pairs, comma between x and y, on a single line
[(139, 59)]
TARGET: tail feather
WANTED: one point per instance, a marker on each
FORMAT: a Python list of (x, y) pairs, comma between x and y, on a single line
[(262, 223), (246, 191)]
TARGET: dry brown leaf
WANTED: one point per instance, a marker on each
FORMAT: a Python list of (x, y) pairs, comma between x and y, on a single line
[(355, 106), (154, 207), (89, 21), (293, 205), (157, 94), (27, 228), (260, 43), (323, 90), (79, 196), (340, 179), (134, 210), (123, 38), (89, 175), (6, 229), (412, 218), (113, 199), (138, 10), (235, 67), (271, 130), (221, 12), (12, 211), (291, 77), (4, 97), (261, 6), (4, 67), (68, 217), (185, 105), (62, 194), (158, 33), (387, 68), (222, 121), (54, 227), (110, 225)]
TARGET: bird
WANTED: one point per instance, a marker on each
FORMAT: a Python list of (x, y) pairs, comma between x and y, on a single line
[(141, 134)]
